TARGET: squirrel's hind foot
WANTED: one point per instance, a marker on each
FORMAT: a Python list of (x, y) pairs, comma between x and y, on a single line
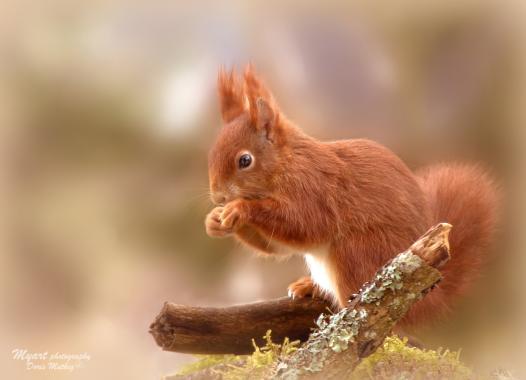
[(304, 287)]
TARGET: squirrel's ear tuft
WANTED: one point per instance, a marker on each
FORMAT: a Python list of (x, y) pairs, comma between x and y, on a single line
[(263, 110), (231, 97), (266, 118)]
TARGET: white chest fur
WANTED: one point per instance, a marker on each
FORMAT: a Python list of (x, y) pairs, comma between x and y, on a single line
[(317, 261)]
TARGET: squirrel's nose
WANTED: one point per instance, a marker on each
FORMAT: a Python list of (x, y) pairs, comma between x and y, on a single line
[(218, 198)]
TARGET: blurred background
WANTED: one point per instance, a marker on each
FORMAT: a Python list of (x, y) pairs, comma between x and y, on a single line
[(107, 110)]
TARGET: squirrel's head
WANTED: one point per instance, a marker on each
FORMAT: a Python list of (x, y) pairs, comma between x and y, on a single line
[(243, 163)]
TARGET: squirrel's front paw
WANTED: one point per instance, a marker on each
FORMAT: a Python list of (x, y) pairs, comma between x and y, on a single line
[(232, 216), (304, 287), (213, 225)]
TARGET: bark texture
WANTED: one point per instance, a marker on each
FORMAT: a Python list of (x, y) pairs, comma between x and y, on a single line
[(230, 330)]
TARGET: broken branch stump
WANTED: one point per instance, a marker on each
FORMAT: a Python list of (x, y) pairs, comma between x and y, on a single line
[(230, 330)]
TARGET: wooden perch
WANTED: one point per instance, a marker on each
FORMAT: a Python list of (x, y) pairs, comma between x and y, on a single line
[(229, 330), (349, 335)]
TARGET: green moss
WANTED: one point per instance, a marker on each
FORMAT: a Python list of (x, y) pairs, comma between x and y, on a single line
[(395, 360), (208, 361), (257, 364), (237, 367)]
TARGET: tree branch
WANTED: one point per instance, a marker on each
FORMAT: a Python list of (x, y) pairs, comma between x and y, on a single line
[(230, 330), (341, 340)]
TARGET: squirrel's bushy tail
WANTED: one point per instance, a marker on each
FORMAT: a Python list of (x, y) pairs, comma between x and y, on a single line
[(466, 197)]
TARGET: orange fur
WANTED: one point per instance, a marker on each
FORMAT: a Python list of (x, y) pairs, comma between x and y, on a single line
[(354, 201), (230, 95)]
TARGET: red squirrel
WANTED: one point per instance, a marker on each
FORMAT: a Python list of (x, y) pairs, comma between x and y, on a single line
[(348, 206)]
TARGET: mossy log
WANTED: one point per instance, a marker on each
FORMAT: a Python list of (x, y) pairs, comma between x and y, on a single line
[(345, 337)]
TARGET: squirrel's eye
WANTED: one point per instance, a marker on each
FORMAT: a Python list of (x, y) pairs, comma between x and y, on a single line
[(245, 161)]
